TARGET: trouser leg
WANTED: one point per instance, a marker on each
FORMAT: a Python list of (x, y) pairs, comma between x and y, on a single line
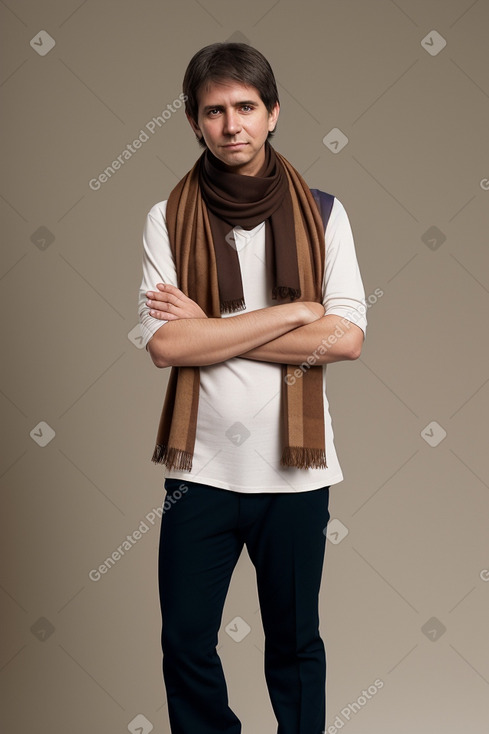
[(197, 555), (287, 548)]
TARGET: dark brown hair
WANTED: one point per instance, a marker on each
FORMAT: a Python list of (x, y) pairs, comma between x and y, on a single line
[(228, 61)]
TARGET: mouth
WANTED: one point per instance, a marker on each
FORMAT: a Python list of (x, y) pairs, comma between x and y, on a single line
[(234, 146)]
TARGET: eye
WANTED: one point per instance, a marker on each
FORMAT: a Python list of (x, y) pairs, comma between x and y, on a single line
[(247, 108)]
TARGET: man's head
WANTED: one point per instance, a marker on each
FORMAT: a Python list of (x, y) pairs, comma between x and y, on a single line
[(222, 62), (232, 103)]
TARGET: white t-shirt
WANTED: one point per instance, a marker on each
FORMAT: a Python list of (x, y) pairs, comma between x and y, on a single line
[(238, 436)]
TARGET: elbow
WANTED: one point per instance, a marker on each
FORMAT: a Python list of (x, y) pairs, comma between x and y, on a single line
[(160, 360), (158, 355), (354, 354), (352, 342), (354, 348), (344, 343), (162, 348), (349, 346)]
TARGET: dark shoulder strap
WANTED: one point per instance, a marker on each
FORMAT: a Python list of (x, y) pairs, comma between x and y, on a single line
[(325, 204)]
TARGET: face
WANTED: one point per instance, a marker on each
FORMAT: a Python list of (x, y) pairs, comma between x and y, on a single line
[(234, 123)]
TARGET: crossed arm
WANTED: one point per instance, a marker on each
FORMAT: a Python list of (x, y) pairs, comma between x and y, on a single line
[(287, 333)]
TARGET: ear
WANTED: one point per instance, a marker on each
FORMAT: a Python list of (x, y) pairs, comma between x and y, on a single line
[(273, 117), (194, 126)]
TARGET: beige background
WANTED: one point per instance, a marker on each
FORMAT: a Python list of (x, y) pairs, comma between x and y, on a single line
[(81, 655)]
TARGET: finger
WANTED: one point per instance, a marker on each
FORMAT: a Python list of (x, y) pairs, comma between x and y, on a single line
[(166, 296), (163, 315), (176, 296), (171, 297), (156, 314), (169, 288), (162, 300)]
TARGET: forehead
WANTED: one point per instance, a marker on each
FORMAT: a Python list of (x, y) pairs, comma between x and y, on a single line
[(227, 92)]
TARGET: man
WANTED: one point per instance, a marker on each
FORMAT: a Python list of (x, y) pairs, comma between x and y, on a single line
[(247, 298)]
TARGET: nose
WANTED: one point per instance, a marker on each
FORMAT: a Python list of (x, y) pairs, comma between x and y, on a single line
[(232, 124)]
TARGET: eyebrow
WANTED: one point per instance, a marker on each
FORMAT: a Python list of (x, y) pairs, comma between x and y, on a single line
[(238, 104)]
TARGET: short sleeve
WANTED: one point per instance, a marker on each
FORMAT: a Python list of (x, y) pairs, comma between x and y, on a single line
[(158, 266), (343, 291)]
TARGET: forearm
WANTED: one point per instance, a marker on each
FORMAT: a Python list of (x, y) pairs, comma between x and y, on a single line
[(205, 341), (329, 339)]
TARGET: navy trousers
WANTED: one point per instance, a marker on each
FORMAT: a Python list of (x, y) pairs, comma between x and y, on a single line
[(203, 531)]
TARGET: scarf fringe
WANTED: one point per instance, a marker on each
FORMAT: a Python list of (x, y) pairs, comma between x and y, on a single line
[(285, 292), (304, 458), (230, 306), (172, 458)]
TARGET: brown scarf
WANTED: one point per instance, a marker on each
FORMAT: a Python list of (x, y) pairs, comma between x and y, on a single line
[(201, 212)]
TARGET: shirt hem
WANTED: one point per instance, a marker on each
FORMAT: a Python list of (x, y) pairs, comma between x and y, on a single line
[(218, 484)]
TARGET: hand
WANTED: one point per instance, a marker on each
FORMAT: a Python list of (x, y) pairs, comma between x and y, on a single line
[(169, 303)]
